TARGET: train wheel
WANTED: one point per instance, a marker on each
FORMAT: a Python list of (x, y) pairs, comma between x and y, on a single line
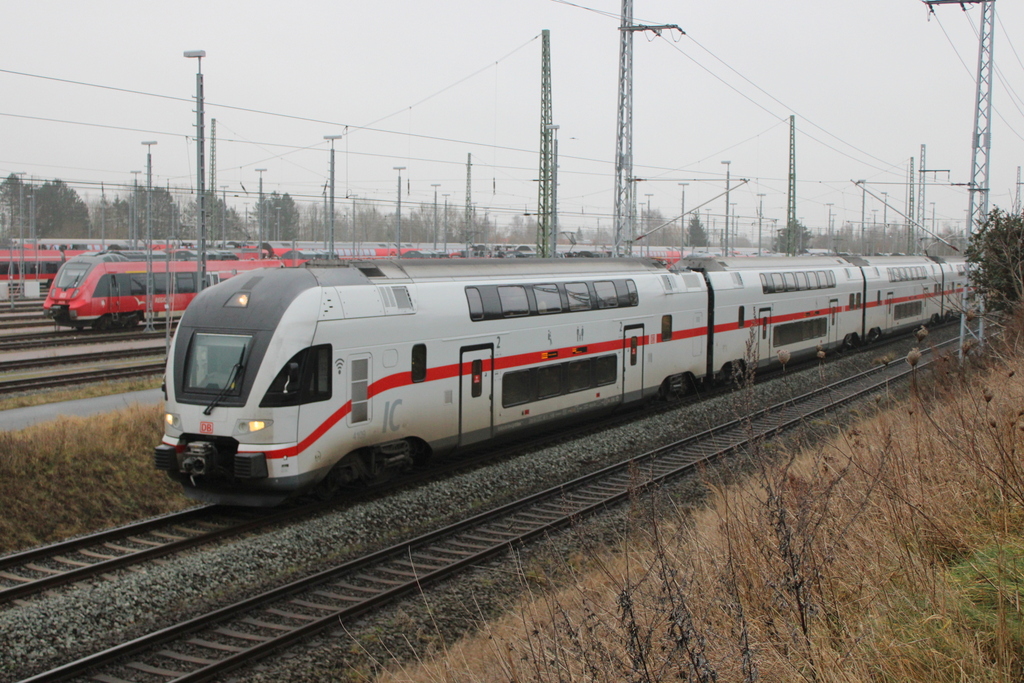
[(101, 323), (874, 335), (850, 341)]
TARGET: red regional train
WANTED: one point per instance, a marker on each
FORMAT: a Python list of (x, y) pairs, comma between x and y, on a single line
[(107, 293)]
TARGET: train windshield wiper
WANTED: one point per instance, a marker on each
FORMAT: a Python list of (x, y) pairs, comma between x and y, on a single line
[(236, 370)]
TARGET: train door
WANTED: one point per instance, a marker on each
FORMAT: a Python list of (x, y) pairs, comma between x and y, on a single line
[(632, 362), (764, 337), (889, 296), (476, 393), (833, 321), (115, 295)]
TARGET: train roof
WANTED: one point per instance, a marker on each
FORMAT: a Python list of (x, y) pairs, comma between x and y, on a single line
[(717, 263), (433, 269)]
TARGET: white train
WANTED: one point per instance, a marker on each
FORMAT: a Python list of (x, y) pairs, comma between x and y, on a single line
[(285, 381)]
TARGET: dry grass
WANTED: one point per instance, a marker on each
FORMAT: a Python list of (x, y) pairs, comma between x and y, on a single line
[(76, 475), (894, 553)]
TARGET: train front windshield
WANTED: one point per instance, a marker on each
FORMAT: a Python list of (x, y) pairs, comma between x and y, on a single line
[(216, 362), (72, 275)]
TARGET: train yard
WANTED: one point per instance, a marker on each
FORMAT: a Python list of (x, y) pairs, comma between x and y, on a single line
[(31, 360), (225, 636)]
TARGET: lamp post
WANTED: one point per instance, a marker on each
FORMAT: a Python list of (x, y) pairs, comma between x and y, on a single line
[(647, 224), (445, 223), (200, 168), (760, 219), (830, 205), (863, 213), (885, 218), (330, 238), (133, 217), (728, 187), (398, 215), (435, 186), (682, 221), (259, 214), (553, 246), (149, 236)]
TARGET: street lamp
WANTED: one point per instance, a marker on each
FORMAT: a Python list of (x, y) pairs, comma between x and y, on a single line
[(435, 186), (445, 195), (552, 248), (259, 213), (760, 219), (330, 247), (647, 224), (149, 236), (399, 214), (200, 167), (725, 235), (682, 220)]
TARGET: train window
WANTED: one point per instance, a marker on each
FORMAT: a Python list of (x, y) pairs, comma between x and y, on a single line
[(606, 296), (215, 363), (72, 275), (605, 370), (792, 333), (305, 378), (831, 278), (790, 282), (766, 286), (316, 375), (812, 280), (578, 375), (741, 317), (549, 381), (579, 296), (860, 300), (634, 298), (911, 309), (159, 283), (185, 283), (780, 285), (633, 344), (103, 287), (853, 304), (419, 362), (548, 299), (476, 304), (513, 301), (666, 328), (138, 282), (801, 280), (360, 379), (515, 388)]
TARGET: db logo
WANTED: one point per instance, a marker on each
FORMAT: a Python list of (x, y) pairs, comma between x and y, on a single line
[(206, 428)]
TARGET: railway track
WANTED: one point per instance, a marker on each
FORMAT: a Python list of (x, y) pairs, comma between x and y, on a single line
[(234, 636), (16, 342), (85, 377)]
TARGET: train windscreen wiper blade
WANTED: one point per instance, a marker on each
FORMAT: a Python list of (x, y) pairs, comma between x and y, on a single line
[(236, 369)]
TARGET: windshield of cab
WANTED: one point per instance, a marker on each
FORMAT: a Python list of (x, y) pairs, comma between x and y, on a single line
[(71, 275), (211, 363)]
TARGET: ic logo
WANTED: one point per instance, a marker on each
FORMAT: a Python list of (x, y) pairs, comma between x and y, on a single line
[(206, 428)]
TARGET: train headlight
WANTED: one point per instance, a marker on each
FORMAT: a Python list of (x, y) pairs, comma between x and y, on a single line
[(240, 300), (173, 420), (74, 293), (250, 426)]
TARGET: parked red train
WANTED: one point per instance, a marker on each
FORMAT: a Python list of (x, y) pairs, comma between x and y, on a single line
[(106, 293)]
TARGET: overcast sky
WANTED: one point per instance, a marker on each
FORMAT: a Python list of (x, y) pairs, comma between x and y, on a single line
[(423, 84)]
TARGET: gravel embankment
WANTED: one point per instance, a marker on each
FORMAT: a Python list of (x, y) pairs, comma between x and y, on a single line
[(80, 619)]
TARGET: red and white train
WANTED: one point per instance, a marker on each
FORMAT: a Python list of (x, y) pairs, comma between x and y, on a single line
[(289, 380), (106, 291)]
